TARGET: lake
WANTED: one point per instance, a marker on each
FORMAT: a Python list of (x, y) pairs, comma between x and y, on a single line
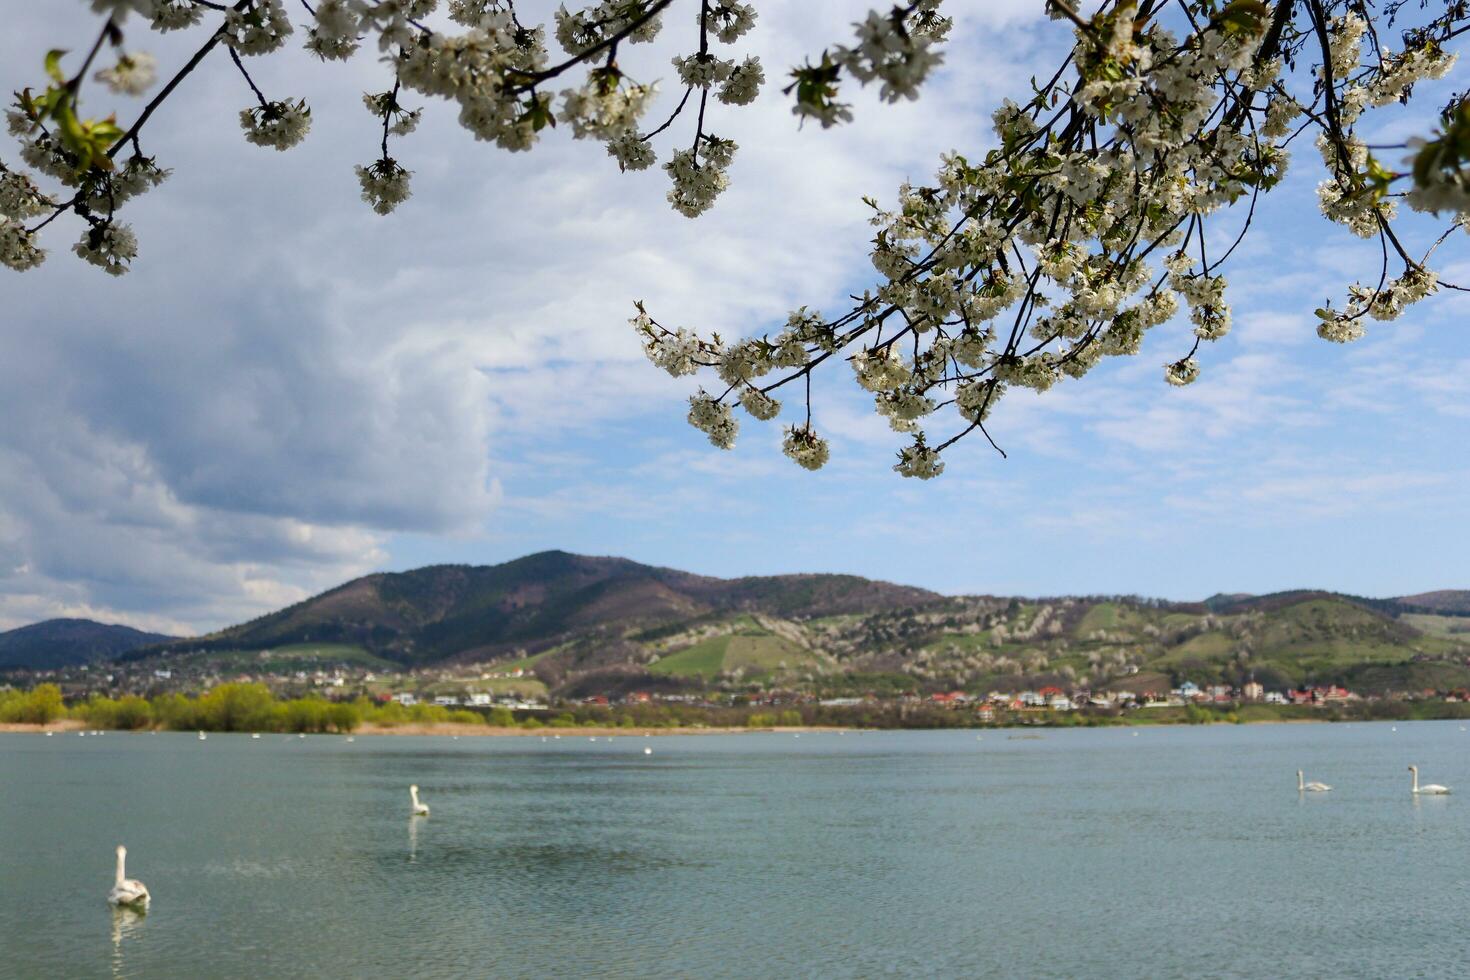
[(1173, 852)]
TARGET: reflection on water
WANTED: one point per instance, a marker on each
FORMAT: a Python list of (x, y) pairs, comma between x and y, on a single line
[(413, 835), (126, 923), (1084, 853)]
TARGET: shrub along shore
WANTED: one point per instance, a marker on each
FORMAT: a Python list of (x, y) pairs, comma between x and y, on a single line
[(252, 708)]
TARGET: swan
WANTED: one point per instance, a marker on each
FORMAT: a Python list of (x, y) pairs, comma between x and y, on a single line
[(255, 734), (419, 809), (49, 734), (1312, 787), (1428, 789), (351, 739), (202, 736), (125, 890), (647, 750)]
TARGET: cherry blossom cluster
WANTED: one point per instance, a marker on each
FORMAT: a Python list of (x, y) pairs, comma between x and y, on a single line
[(1084, 227), (499, 69)]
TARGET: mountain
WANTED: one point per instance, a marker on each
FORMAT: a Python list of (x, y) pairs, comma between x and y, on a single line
[(1446, 602), (463, 613), (69, 643), (585, 625)]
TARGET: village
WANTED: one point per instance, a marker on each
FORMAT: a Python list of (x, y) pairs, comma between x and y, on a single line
[(483, 689)]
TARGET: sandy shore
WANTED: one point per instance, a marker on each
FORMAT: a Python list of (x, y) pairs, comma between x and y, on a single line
[(65, 725)]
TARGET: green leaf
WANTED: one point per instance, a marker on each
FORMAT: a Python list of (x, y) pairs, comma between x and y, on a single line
[(53, 65)]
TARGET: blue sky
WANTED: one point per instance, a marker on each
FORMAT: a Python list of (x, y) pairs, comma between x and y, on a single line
[(290, 390)]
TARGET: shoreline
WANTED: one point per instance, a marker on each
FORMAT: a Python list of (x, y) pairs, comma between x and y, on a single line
[(441, 729)]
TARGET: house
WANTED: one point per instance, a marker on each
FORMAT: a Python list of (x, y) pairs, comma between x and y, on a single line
[(1059, 702), (1252, 691), (446, 700), (406, 699), (480, 699), (1274, 697), (986, 712), (1031, 699)]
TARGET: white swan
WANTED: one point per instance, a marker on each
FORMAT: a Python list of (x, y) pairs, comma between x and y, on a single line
[(419, 809), (1428, 789), (255, 734), (202, 736), (1313, 787), (125, 890), (647, 750)]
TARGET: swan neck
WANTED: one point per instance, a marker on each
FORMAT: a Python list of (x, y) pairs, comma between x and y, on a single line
[(1300, 780), (121, 873)]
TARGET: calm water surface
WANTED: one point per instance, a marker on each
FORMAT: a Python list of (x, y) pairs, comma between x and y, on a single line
[(1181, 852)]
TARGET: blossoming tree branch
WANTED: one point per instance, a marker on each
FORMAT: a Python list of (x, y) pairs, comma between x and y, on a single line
[(1082, 226)]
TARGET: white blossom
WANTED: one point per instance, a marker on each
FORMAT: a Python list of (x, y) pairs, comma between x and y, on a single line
[(334, 36), (703, 70), (729, 20), (175, 15), (20, 198), (385, 184), (133, 74), (759, 404), (109, 246), (258, 29), (805, 447), (743, 83), (279, 125), (696, 183), (919, 461), (18, 250), (714, 419), (631, 151), (1181, 372)]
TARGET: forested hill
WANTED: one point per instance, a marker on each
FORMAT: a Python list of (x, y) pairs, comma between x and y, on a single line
[(482, 613), (69, 642)]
